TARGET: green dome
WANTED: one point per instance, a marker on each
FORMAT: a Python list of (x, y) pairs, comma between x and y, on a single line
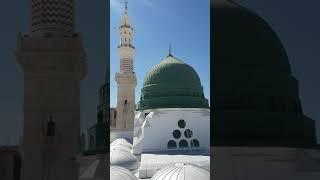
[(172, 84)]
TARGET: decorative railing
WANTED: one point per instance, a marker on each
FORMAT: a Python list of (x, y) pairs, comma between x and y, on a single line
[(126, 45)]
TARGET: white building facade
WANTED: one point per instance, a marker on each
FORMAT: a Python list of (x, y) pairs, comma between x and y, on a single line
[(169, 129)]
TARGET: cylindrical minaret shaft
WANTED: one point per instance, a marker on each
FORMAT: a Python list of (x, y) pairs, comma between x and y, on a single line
[(52, 16)]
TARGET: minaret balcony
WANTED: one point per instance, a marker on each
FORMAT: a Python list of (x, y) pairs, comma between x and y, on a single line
[(126, 45), (39, 43), (125, 26)]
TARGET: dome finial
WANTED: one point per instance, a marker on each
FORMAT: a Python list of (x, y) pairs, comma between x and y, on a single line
[(170, 54)]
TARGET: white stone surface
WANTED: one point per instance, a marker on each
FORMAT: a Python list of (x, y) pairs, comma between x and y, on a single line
[(153, 134), (127, 135), (182, 171), (124, 158), (121, 141), (151, 163), (121, 144), (119, 173)]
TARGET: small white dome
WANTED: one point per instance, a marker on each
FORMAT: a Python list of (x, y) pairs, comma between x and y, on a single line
[(120, 173), (120, 146), (182, 171), (121, 141), (123, 158)]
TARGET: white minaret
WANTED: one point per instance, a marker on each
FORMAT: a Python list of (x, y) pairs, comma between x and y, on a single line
[(126, 78), (53, 61)]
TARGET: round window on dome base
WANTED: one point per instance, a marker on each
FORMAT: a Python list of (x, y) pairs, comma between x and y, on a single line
[(176, 134), (172, 144), (188, 133), (183, 144), (181, 123)]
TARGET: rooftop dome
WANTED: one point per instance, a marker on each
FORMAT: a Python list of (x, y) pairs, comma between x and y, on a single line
[(121, 142), (182, 171), (172, 84), (119, 173), (123, 158), (119, 146), (255, 95)]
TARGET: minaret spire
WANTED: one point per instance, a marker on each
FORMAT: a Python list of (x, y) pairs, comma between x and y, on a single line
[(170, 50), (126, 6)]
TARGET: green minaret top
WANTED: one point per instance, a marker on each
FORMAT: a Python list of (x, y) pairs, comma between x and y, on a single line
[(172, 84)]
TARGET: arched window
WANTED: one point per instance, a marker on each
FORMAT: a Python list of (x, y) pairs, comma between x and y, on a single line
[(51, 127), (115, 114), (194, 143), (183, 143), (91, 142), (172, 144), (125, 102)]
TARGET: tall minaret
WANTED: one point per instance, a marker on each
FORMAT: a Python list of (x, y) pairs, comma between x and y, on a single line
[(53, 61), (126, 78)]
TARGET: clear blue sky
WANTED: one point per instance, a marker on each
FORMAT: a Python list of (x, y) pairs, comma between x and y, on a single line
[(156, 23)]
